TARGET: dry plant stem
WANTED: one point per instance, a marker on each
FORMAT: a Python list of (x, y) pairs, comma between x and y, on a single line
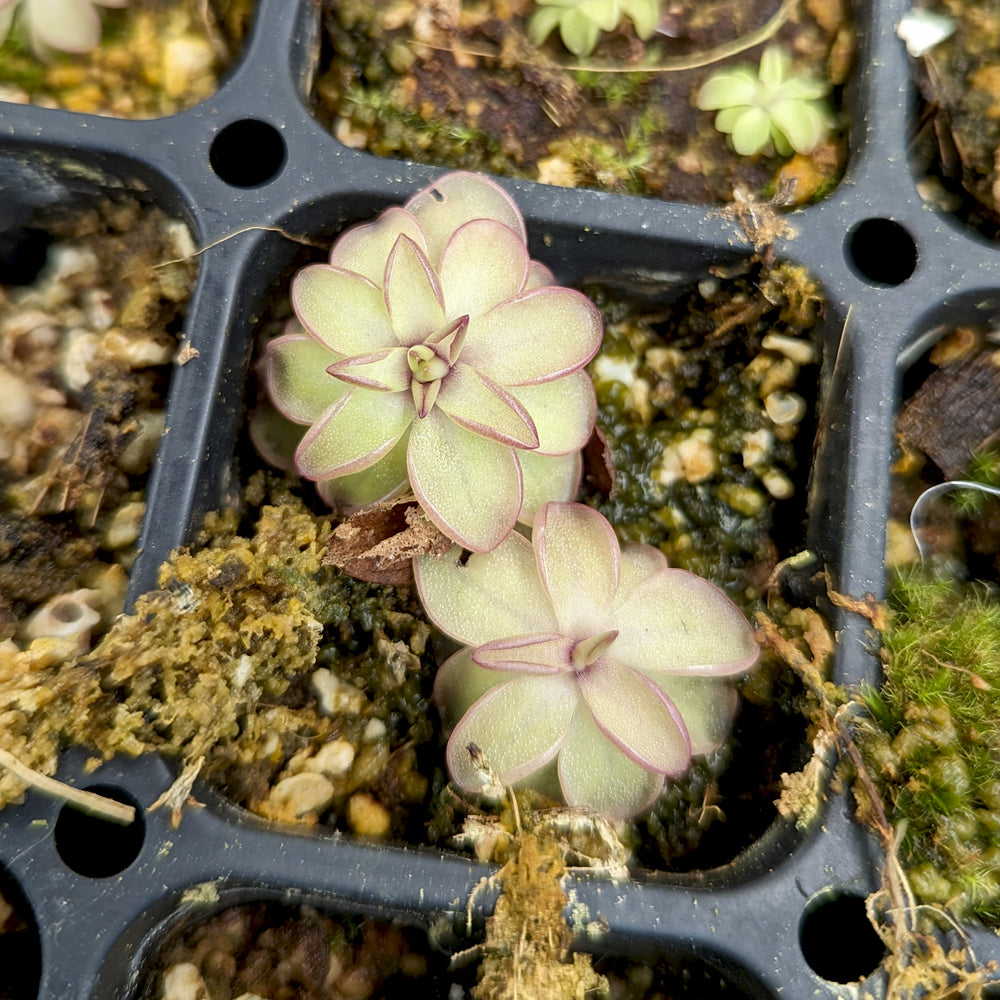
[(88, 802), (713, 55), (916, 963)]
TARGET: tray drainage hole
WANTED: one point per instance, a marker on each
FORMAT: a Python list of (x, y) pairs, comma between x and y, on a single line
[(20, 945), (881, 252), (247, 153), (838, 942), (97, 847)]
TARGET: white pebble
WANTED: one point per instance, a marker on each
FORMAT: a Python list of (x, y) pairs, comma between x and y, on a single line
[(785, 407), (300, 794), (183, 982), (334, 758), (335, 695)]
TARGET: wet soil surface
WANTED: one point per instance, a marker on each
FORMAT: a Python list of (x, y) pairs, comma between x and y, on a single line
[(957, 140), (155, 58), (466, 88)]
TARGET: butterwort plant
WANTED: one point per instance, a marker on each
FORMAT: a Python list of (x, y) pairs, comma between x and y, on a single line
[(56, 25), (589, 670), (768, 109), (432, 353)]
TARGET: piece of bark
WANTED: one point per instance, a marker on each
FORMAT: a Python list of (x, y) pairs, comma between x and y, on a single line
[(378, 545), (955, 413)]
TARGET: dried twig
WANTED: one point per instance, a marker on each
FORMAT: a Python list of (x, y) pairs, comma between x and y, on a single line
[(88, 802)]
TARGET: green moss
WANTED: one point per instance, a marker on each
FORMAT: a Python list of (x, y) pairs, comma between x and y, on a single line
[(933, 736)]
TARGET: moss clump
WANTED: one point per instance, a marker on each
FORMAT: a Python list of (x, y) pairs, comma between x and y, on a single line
[(933, 738)]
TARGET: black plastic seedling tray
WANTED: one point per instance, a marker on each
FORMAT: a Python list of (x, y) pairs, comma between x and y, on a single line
[(786, 918)]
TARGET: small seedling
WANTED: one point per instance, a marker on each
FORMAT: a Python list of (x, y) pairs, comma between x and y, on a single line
[(769, 109)]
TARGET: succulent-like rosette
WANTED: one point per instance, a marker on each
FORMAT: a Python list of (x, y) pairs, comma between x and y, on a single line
[(434, 352), (768, 109), (582, 657)]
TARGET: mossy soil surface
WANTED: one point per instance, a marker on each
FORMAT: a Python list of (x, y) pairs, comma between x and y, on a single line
[(155, 58), (957, 130), (461, 85), (933, 740), (86, 348), (281, 952)]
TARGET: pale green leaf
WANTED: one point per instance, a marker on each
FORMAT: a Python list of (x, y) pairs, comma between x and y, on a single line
[(484, 263), (677, 622), (547, 477), (412, 294), (384, 371), (469, 486), (577, 554), (297, 380), (365, 249), (728, 88), (636, 715), (563, 411), (535, 337), (548, 653), (355, 433), (752, 131), (490, 596), (457, 198), (485, 408), (342, 310), (384, 479), (595, 774), (707, 706), (518, 725)]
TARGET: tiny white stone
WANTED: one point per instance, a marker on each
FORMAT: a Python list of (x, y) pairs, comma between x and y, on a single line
[(335, 695), (333, 758), (299, 794), (183, 982), (921, 30)]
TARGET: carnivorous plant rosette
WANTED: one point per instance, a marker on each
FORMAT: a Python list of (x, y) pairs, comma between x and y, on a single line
[(770, 109), (435, 352), (585, 657)]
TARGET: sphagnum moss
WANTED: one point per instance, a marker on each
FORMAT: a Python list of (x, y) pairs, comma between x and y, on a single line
[(932, 740)]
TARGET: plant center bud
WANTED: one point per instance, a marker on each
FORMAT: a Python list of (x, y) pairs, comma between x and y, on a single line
[(426, 364), (586, 651)]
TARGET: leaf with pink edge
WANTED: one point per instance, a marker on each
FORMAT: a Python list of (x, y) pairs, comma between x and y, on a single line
[(519, 725), (483, 264), (469, 486), (595, 774), (342, 310), (488, 597), (707, 705), (539, 276), (384, 479), (365, 249), (384, 371), (412, 294), (355, 433), (548, 653), (537, 336), (460, 682), (297, 381), (678, 623), (563, 412), (636, 715), (577, 554), (547, 477), (274, 436), (459, 197), (483, 407), (638, 563)]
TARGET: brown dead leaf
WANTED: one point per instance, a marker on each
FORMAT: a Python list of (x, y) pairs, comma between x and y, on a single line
[(378, 545)]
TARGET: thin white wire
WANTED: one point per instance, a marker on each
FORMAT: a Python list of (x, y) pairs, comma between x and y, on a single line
[(921, 501)]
